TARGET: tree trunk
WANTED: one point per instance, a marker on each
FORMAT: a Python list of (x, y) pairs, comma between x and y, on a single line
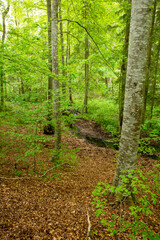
[(2, 74), (68, 53), (62, 51), (136, 73), (84, 110), (155, 80), (146, 85), (49, 128), (56, 85), (50, 85), (122, 78)]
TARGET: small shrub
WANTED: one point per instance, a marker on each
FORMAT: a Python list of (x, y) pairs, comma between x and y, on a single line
[(145, 147), (142, 199)]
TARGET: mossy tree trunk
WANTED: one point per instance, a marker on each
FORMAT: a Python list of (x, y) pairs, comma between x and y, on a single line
[(136, 73)]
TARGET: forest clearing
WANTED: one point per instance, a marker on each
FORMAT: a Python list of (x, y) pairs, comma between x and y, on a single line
[(79, 119)]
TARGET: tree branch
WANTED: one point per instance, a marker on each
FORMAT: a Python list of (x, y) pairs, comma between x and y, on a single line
[(18, 178), (52, 169), (110, 67)]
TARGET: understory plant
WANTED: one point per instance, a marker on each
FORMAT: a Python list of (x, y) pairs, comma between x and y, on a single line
[(145, 146), (139, 200)]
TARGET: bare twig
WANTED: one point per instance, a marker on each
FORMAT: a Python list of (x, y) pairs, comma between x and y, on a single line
[(89, 226), (107, 63), (52, 169), (19, 178)]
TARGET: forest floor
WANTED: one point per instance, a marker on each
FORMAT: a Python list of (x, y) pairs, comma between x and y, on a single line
[(58, 205)]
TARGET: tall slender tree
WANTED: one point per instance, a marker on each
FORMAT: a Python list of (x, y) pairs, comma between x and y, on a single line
[(68, 55), (49, 129), (2, 74), (50, 85), (62, 50), (122, 78), (56, 85), (136, 72), (153, 91), (84, 110), (146, 85)]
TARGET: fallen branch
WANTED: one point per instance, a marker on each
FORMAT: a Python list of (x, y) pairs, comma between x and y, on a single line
[(52, 169), (89, 226), (19, 178)]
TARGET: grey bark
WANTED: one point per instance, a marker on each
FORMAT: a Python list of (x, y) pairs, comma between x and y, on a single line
[(56, 85), (49, 129), (155, 80), (84, 110), (146, 85), (2, 74), (50, 85), (122, 78), (68, 54), (62, 50), (85, 104), (136, 72)]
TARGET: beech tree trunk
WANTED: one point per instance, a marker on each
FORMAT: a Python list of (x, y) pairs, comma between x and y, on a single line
[(2, 74), (62, 51), (56, 85), (122, 78), (84, 110), (146, 85), (136, 73), (155, 80), (68, 54), (50, 85), (49, 128)]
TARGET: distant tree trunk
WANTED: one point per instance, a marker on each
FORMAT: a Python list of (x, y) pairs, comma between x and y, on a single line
[(56, 85), (106, 81), (122, 78), (146, 85), (5, 87), (136, 72), (50, 85), (2, 74), (68, 54), (22, 86), (49, 128), (85, 104), (62, 51), (155, 80)]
